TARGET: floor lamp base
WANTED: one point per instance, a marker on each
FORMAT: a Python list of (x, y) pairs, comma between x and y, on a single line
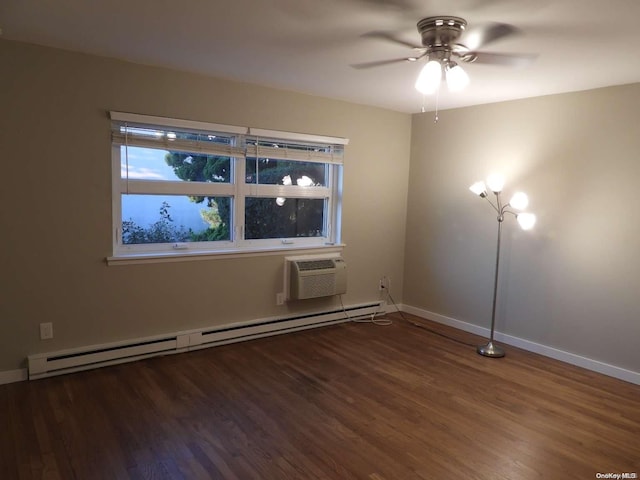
[(490, 350)]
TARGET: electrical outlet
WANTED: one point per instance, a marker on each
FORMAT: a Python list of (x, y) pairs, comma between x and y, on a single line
[(46, 331), (280, 298), (384, 283)]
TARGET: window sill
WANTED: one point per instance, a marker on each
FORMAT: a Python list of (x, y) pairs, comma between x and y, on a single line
[(199, 255)]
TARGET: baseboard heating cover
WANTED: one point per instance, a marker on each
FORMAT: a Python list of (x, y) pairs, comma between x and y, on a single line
[(85, 358)]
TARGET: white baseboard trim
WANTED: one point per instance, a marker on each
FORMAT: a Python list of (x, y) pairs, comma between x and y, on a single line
[(12, 376), (88, 357), (551, 352)]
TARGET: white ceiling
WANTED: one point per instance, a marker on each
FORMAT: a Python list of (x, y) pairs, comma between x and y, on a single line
[(308, 45)]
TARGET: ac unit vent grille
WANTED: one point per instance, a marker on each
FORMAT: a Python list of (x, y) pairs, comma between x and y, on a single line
[(317, 277), (318, 286), (308, 265)]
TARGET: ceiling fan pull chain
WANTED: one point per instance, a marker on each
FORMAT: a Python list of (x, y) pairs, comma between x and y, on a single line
[(435, 120)]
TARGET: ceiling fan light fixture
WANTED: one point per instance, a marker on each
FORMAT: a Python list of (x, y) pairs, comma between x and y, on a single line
[(429, 78), (457, 78)]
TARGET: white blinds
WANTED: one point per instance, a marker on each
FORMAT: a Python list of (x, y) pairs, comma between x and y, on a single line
[(295, 146), (131, 136), (256, 148), (177, 140), (135, 130)]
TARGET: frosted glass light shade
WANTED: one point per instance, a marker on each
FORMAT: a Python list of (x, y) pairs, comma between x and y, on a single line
[(526, 220), (429, 78), (457, 78), (495, 182), (519, 201), (479, 188)]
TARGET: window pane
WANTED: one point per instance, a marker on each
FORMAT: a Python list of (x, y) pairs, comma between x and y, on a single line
[(284, 217), (155, 164), (174, 218), (267, 171)]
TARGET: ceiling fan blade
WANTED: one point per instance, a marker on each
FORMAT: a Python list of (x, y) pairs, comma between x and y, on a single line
[(390, 37), (507, 59), (380, 63), (477, 37)]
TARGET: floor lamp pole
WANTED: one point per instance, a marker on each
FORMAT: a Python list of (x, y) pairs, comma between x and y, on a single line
[(490, 349)]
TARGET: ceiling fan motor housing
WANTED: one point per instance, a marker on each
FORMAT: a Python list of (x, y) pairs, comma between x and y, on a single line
[(441, 31)]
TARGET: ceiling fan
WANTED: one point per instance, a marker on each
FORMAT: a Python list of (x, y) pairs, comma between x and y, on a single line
[(446, 41)]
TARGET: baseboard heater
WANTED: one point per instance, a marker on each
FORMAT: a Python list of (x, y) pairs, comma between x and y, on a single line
[(95, 356)]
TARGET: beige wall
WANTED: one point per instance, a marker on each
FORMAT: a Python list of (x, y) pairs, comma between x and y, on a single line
[(56, 202), (574, 282), (571, 284)]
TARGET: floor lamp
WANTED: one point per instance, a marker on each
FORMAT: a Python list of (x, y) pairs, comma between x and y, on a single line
[(519, 201)]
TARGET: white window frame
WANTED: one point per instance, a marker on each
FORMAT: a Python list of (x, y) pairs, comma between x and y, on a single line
[(237, 190)]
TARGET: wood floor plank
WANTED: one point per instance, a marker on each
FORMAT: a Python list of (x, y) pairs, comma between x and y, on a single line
[(351, 401)]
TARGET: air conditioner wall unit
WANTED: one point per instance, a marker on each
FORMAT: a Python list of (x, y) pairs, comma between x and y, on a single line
[(313, 278)]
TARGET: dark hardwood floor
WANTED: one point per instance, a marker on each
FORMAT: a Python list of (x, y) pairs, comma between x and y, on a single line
[(352, 401)]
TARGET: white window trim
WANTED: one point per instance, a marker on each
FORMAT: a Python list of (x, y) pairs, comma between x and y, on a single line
[(238, 190), (200, 255), (297, 137), (176, 123)]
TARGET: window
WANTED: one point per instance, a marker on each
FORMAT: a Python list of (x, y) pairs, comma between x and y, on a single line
[(182, 186)]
